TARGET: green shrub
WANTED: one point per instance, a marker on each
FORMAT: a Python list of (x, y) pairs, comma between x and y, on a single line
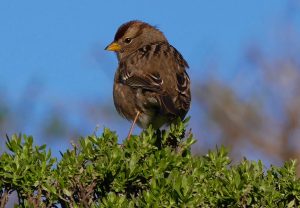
[(154, 169)]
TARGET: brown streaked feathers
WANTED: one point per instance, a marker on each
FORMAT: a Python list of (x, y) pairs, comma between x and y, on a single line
[(151, 83)]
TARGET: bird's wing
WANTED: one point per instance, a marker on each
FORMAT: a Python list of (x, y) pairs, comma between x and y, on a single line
[(141, 75), (147, 81), (183, 89)]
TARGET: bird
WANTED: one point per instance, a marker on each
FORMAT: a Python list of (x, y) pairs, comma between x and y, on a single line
[(151, 84)]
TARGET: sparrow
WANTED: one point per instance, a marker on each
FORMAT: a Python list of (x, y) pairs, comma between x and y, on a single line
[(151, 85)]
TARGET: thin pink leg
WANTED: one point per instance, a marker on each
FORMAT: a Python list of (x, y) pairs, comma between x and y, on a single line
[(133, 123)]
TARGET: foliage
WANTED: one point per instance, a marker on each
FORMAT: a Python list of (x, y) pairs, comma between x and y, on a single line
[(154, 169)]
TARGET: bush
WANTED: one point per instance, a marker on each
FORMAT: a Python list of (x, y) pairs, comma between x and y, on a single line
[(154, 169)]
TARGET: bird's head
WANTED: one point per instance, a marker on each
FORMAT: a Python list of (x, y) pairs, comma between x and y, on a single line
[(134, 35)]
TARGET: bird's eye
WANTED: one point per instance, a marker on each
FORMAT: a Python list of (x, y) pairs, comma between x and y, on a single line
[(127, 40)]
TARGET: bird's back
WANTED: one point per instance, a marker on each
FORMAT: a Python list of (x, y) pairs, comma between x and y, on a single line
[(157, 72)]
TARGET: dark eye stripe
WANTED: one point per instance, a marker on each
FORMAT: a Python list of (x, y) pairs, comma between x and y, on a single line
[(122, 30)]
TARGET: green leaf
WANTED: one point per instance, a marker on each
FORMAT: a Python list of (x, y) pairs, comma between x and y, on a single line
[(67, 192)]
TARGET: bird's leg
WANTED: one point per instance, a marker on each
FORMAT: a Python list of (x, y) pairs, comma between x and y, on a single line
[(132, 125)]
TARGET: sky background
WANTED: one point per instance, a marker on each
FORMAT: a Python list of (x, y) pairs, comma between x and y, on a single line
[(59, 47)]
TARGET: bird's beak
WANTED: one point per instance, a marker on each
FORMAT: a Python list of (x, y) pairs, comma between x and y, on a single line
[(113, 47)]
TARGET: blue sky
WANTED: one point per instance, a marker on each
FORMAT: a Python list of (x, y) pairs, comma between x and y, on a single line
[(56, 42), (60, 44)]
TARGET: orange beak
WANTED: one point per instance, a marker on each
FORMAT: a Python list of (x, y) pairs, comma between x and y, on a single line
[(113, 47)]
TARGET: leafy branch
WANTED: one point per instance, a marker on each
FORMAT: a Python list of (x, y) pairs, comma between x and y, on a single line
[(154, 169)]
